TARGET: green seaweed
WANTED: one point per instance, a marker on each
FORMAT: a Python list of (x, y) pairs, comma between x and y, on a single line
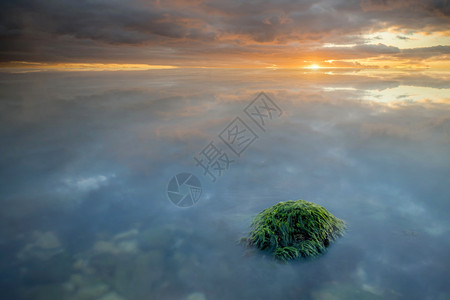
[(294, 229)]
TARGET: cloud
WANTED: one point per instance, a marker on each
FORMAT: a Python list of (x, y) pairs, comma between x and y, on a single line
[(402, 37), (377, 49), (183, 31), (427, 52), (388, 5)]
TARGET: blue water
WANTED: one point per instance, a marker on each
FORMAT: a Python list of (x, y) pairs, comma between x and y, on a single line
[(86, 158)]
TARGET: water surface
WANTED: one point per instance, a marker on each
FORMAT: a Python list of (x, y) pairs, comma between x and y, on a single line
[(86, 158)]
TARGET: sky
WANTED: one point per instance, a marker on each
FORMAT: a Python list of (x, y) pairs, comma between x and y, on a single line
[(140, 34), (363, 87)]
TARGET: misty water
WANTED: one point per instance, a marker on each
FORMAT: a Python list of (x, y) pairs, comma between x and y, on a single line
[(86, 158)]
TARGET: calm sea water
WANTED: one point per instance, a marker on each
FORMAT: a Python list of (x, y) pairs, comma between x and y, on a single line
[(86, 159)]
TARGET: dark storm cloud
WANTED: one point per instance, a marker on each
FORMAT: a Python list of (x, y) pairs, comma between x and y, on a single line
[(379, 49), (438, 7), (110, 22), (382, 50), (59, 31), (427, 51)]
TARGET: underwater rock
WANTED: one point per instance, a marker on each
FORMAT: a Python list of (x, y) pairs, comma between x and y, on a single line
[(348, 291), (123, 272), (82, 265), (46, 240), (155, 238), (74, 283), (196, 296), (91, 292), (44, 245), (111, 296), (55, 270), (122, 243), (39, 292), (105, 247), (129, 246), (294, 229), (116, 247)]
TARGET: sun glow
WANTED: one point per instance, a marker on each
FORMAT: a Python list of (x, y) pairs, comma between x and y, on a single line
[(313, 67)]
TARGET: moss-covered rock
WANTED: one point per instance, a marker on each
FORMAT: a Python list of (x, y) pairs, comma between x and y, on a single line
[(294, 229)]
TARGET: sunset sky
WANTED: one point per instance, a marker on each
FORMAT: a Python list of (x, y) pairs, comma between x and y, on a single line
[(103, 102), (140, 34)]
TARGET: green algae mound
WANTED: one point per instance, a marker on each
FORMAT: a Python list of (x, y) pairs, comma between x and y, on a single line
[(294, 229)]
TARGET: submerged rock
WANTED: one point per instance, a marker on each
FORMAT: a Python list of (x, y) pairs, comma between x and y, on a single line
[(196, 296), (46, 240), (55, 270), (294, 229), (91, 292), (43, 246), (111, 296), (349, 291), (118, 245)]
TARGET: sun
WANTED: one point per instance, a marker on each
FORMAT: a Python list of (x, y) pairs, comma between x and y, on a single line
[(313, 67)]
